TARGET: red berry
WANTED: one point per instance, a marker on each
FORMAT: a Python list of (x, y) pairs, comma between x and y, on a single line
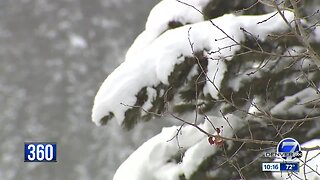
[(211, 141), (218, 130)]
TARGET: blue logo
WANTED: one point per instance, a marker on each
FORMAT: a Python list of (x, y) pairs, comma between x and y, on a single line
[(289, 149), (40, 152)]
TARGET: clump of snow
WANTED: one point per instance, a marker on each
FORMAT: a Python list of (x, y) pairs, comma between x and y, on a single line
[(255, 105), (164, 12), (149, 161), (154, 63), (262, 26), (242, 78), (309, 171), (216, 70), (298, 103), (153, 160), (197, 153), (151, 93), (317, 34), (174, 11)]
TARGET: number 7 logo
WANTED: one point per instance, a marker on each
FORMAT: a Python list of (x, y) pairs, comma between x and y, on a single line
[(290, 144)]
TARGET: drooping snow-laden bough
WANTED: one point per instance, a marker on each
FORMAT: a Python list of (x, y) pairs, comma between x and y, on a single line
[(195, 62)]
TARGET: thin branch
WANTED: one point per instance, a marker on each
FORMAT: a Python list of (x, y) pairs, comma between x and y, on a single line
[(255, 141)]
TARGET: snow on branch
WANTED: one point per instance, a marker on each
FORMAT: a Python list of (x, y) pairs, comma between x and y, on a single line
[(168, 14), (146, 74), (301, 104), (158, 159)]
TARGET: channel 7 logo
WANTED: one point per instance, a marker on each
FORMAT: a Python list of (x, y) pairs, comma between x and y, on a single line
[(290, 146), (287, 149)]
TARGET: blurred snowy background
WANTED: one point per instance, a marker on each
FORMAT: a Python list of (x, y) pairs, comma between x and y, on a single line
[(54, 55)]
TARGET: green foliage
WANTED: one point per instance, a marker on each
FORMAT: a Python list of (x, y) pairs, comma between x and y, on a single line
[(133, 114), (218, 8), (174, 24), (179, 84), (261, 71), (271, 82), (105, 119), (183, 108), (221, 162)]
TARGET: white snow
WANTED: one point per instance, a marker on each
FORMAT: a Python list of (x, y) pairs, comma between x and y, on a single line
[(153, 63), (242, 78), (216, 70), (295, 104), (317, 34), (172, 10), (150, 61), (152, 160), (197, 153), (159, 17), (149, 160), (305, 171), (151, 93), (78, 41), (255, 105), (261, 27)]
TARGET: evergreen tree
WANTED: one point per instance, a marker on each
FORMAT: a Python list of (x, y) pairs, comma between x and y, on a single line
[(242, 74)]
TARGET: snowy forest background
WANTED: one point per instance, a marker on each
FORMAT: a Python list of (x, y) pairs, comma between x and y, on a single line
[(55, 55)]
